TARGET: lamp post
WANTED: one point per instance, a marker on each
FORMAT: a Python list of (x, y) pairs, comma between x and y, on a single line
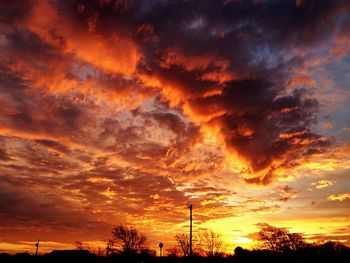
[(37, 247), (161, 249)]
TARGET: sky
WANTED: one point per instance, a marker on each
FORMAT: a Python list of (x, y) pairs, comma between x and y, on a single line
[(125, 112)]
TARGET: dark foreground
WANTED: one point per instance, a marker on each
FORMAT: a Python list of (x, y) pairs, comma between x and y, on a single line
[(249, 256)]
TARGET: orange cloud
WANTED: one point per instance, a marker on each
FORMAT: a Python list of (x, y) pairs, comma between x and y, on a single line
[(341, 46), (109, 52), (327, 125), (293, 134), (301, 80), (214, 69)]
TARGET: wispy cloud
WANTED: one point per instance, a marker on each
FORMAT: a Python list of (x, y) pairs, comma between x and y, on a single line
[(323, 183)]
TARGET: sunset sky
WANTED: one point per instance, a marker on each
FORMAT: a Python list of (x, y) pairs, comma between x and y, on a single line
[(126, 111)]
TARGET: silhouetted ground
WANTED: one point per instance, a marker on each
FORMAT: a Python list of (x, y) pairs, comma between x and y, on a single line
[(330, 252), (247, 256)]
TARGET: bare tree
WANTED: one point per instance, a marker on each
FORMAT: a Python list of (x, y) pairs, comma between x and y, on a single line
[(296, 241), (183, 242), (211, 243), (110, 247), (129, 238), (280, 239), (79, 245)]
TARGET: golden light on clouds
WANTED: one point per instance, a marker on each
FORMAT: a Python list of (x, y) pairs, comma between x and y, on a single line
[(339, 197), (323, 183)]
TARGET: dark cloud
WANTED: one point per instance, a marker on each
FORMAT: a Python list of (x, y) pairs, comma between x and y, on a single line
[(13, 13), (4, 155), (37, 214), (53, 145), (254, 110)]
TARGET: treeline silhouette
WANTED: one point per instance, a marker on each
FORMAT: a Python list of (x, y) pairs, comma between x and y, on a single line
[(128, 245)]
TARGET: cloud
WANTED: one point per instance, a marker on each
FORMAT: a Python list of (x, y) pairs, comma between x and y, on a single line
[(252, 109), (287, 193), (327, 125), (339, 197), (4, 156), (53, 145), (340, 234), (87, 186), (81, 35), (34, 213), (323, 183), (235, 82)]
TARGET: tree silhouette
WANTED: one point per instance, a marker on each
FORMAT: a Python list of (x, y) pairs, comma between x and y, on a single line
[(109, 247), (239, 251), (333, 248), (280, 239), (79, 245), (183, 242), (211, 243), (128, 237)]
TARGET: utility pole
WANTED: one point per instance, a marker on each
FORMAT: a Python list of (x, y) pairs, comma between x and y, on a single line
[(37, 247), (190, 207)]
